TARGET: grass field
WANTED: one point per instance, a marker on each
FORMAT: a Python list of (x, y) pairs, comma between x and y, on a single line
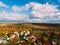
[(9, 27), (36, 28)]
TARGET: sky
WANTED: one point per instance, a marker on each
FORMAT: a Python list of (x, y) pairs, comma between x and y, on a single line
[(30, 11)]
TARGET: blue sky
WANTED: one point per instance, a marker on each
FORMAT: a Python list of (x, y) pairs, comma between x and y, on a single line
[(32, 11)]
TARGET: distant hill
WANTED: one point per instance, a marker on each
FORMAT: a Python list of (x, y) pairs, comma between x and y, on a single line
[(48, 24)]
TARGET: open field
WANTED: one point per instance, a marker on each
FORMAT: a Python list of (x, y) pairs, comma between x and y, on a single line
[(9, 27), (36, 28)]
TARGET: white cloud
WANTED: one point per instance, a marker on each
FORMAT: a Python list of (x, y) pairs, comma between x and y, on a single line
[(44, 10), (12, 16), (3, 5), (39, 10), (16, 8), (35, 20), (23, 8), (41, 13)]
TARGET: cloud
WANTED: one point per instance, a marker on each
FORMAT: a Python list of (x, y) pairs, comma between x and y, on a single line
[(39, 13), (44, 10), (23, 8), (12, 16), (35, 20), (3, 5), (39, 10), (16, 8)]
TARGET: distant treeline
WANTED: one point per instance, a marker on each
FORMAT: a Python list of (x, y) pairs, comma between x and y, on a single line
[(48, 24)]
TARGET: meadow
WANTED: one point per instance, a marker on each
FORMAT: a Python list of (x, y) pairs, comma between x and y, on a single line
[(36, 28)]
